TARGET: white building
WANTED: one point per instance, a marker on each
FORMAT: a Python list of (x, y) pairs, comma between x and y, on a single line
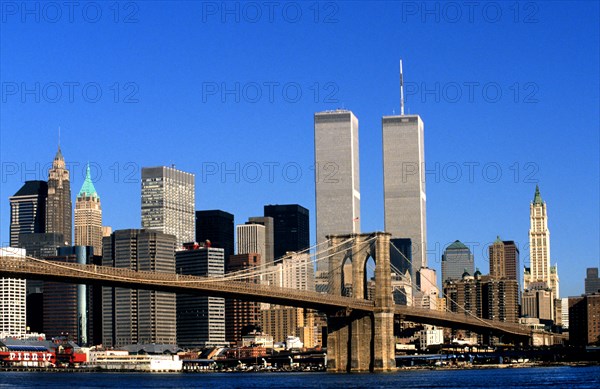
[(168, 202), (293, 342), (564, 302), (12, 300), (430, 336), (251, 238), (295, 271)]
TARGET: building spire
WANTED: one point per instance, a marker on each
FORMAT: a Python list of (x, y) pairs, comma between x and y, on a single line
[(401, 91), (537, 198), (88, 189)]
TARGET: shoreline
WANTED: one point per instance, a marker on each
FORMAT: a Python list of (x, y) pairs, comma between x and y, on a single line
[(526, 365)]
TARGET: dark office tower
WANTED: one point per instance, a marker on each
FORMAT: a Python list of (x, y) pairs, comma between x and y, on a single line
[(28, 210), (290, 226), (504, 259), (66, 310), (27, 226), (401, 255), (138, 316), (200, 319), (216, 226), (592, 282), (239, 313), (456, 260), (58, 202)]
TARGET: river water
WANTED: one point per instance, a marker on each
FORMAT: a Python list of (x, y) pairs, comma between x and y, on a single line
[(544, 377)]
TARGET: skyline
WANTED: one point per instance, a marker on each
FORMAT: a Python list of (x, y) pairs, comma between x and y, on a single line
[(170, 99)]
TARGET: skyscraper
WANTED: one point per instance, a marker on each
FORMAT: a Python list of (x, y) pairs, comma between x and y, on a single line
[(291, 228), (66, 309), (337, 178), (200, 319), (592, 282), (539, 270), (27, 230), (269, 254), (28, 210), (12, 300), (504, 259), (168, 202), (138, 316), (404, 183), (251, 239), (241, 313), (88, 216), (216, 226), (457, 259), (58, 203)]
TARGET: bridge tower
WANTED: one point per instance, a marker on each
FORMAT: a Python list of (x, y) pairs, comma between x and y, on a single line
[(361, 341)]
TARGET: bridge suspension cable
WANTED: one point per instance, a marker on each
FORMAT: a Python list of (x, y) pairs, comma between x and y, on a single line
[(468, 312)]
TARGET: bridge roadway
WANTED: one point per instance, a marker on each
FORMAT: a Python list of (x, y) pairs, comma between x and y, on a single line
[(177, 283)]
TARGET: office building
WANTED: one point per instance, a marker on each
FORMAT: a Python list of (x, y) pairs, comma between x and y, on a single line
[(584, 319), (59, 217), (592, 282), (241, 314), (294, 271), (539, 269), (504, 259), (168, 202), (457, 259), (538, 302), (337, 178), (12, 299), (28, 210), (217, 227), (138, 316), (290, 226), (67, 307), (88, 216), (200, 319), (483, 296), (269, 254), (27, 230), (404, 183), (251, 239), (564, 302)]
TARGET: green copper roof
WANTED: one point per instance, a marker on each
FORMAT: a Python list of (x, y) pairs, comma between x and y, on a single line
[(498, 240), (537, 198), (87, 189), (457, 245)]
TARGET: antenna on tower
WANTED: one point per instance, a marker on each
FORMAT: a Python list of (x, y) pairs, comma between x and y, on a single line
[(59, 136), (401, 91)]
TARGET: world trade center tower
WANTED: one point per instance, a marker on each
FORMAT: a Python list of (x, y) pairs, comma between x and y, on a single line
[(336, 175), (404, 184)]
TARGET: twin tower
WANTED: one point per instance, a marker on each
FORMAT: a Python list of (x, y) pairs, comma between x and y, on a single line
[(338, 179)]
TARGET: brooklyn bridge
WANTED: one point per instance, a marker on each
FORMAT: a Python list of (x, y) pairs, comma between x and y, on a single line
[(360, 331)]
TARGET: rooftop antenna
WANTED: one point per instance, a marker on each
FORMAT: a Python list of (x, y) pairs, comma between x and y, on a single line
[(59, 137), (401, 91)]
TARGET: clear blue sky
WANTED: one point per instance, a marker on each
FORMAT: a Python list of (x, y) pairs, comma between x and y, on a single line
[(509, 87)]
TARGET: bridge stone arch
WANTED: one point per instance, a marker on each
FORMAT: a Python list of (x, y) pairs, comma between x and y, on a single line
[(361, 341)]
